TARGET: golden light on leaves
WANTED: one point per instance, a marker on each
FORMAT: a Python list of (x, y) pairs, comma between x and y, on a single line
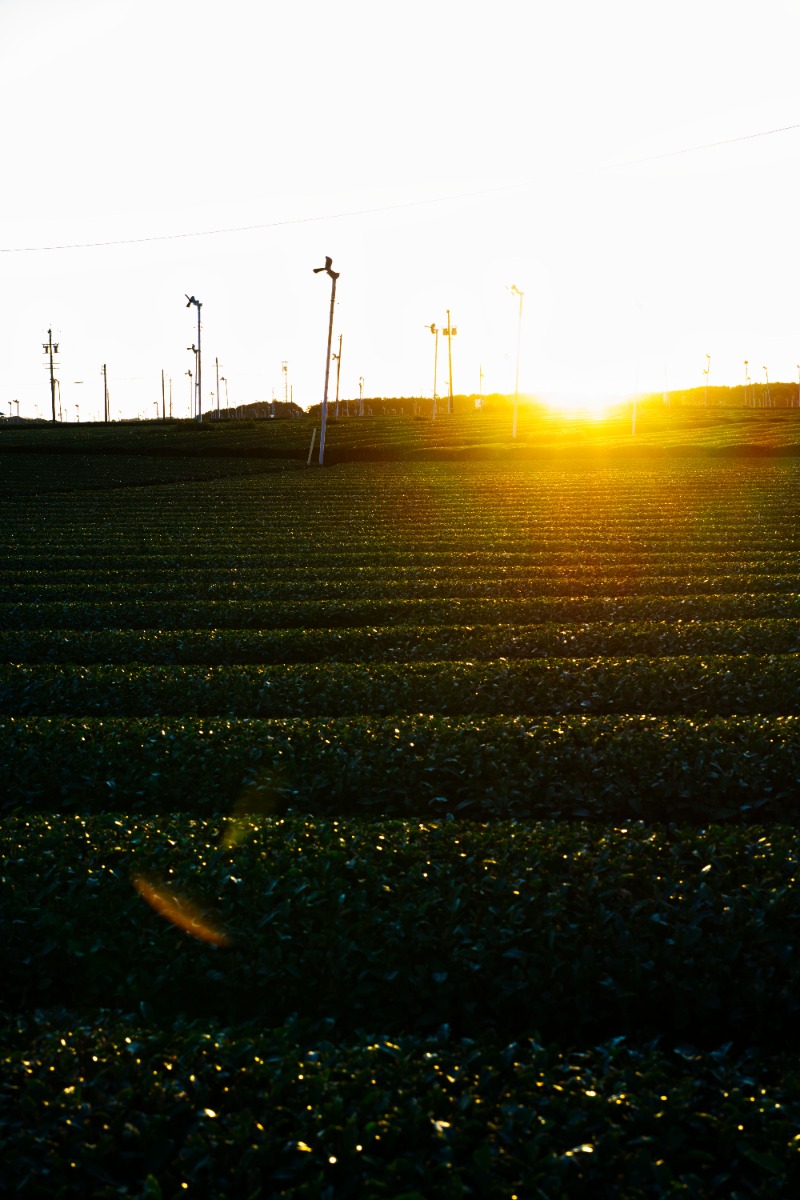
[(181, 912)]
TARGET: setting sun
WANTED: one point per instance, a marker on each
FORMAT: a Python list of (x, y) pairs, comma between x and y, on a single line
[(594, 406)]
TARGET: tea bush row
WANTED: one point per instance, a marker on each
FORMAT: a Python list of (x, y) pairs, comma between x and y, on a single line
[(110, 1106), (721, 685), (578, 933), (568, 766), (399, 643), (142, 552), (356, 613), (375, 565), (321, 589)]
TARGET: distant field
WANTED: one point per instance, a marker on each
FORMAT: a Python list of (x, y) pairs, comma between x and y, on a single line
[(477, 783), (659, 431)]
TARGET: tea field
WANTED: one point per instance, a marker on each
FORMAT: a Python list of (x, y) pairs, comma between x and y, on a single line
[(403, 828)]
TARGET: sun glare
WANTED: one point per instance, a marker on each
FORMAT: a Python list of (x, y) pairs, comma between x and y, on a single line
[(591, 406)]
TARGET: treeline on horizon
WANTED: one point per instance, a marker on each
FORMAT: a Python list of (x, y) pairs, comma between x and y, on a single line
[(781, 395), (778, 395)]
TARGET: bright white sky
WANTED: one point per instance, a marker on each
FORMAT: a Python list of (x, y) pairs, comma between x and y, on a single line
[(439, 151)]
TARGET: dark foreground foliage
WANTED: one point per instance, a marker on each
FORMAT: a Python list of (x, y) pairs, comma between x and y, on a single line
[(577, 932), (111, 1106)]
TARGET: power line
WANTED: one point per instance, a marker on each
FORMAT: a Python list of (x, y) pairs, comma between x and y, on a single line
[(364, 212), (356, 212), (745, 137)]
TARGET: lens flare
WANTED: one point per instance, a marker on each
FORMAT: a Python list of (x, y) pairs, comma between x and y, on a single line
[(260, 798), (181, 912)]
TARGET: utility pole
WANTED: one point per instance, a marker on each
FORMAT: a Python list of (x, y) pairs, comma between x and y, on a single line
[(106, 414), (285, 370), (450, 332), (198, 379), (338, 358), (769, 396), (163, 398), (51, 349), (193, 349), (361, 393), (334, 275), (516, 292), (435, 332), (216, 362)]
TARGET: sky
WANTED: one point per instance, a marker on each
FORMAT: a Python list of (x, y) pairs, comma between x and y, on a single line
[(630, 166)]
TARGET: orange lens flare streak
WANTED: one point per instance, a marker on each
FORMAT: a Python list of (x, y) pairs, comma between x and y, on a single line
[(182, 913)]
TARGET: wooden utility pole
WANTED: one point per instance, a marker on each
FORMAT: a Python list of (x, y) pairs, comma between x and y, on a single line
[(106, 413), (435, 332), (51, 349), (334, 275), (198, 361), (450, 332), (163, 398), (338, 358), (516, 292)]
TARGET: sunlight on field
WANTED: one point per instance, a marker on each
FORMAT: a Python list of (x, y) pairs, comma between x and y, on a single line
[(591, 405)]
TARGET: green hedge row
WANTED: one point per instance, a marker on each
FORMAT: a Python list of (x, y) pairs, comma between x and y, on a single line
[(399, 643), (600, 767), (108, 1107), (579, 933), (721, 685), (35, 475), (376, 564), (355, 613), (446, 552), (318, 588)]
